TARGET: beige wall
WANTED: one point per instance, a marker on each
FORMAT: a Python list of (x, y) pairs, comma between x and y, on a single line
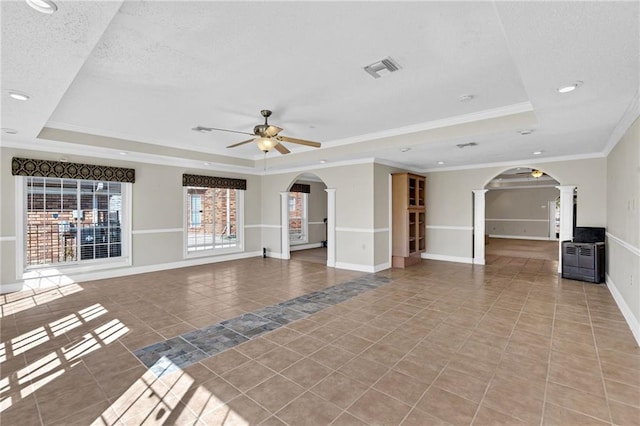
[(157, 204), (522, 212), (450, 200), (354, 210), (623, 220)]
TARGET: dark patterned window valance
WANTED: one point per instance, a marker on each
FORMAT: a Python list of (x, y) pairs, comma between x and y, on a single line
[(213, 182), (300, 187), (58, 169)]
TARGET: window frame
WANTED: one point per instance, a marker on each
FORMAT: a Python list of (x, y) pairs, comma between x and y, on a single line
[(304, 220), (79, 266), (239, 248)]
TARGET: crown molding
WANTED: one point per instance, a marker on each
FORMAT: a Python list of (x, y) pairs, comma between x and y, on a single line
[(630, 115), (311, 168), (69, 148), (526, 162), (436, 124)]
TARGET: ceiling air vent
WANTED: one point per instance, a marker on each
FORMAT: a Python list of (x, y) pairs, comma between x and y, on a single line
[(464, 145), (383, 67)]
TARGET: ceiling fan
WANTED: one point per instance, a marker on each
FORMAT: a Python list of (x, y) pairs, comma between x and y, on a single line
[(266, 136)]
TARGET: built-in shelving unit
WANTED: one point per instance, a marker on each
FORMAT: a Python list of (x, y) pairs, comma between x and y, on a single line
[(409, 218)]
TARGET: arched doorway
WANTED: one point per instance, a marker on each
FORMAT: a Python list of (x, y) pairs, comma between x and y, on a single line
[(516, 204), (307, 211)]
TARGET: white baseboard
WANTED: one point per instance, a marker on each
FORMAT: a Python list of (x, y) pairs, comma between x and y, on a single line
[(446, 258), (276, 255), (304, 246), (50, 280), (360, 267), (522, 237), (381, 267), (632, 321), (10, 288)]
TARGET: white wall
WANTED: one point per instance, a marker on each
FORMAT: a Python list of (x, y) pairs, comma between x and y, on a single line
[(623, 225)]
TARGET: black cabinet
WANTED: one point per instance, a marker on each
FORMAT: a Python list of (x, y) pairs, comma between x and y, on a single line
[(583, 261)]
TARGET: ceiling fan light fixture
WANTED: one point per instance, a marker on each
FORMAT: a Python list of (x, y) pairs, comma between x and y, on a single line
[(266, 144), (536, 173)]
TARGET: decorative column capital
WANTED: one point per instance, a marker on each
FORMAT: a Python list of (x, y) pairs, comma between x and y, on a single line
[(479, 191), (566, 188)]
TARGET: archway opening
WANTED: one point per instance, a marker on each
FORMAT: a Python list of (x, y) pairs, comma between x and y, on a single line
[(519, 215), (307, 217)]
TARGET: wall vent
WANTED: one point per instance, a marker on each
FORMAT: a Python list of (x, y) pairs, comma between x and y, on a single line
[(383, 67)]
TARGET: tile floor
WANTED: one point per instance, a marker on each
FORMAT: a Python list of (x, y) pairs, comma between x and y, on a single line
[(441, 343)]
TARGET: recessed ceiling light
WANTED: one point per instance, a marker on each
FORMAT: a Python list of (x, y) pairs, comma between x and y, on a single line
[(43, 6), (569, 87), (123, 153), (19, 96), (9, 131), (465, 98), (537, 152), (207, 164), (405, 149), (525, 132), (323, 161), (440, 163)]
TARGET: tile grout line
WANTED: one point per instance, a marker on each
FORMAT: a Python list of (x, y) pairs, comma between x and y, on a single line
[(379, 281), (595, 344), (279, 373)]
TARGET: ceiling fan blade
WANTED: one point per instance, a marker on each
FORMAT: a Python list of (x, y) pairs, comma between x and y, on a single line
[(272, 131), (208, 129), (299, 141), (282, 149), (241, 143)]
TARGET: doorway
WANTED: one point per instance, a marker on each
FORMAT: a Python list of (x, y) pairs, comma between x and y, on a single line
[(307, 217), (501, 212)]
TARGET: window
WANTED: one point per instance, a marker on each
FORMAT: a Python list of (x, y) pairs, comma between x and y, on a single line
[(196, 211), (298, 229), (213, 219), (70, 221)]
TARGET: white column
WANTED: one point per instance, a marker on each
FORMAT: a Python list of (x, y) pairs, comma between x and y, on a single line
[(566, 218), (331, 227), (284, 229), (478, 225)]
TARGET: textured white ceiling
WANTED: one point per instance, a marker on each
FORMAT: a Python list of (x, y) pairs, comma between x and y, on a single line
[(150, 71)]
